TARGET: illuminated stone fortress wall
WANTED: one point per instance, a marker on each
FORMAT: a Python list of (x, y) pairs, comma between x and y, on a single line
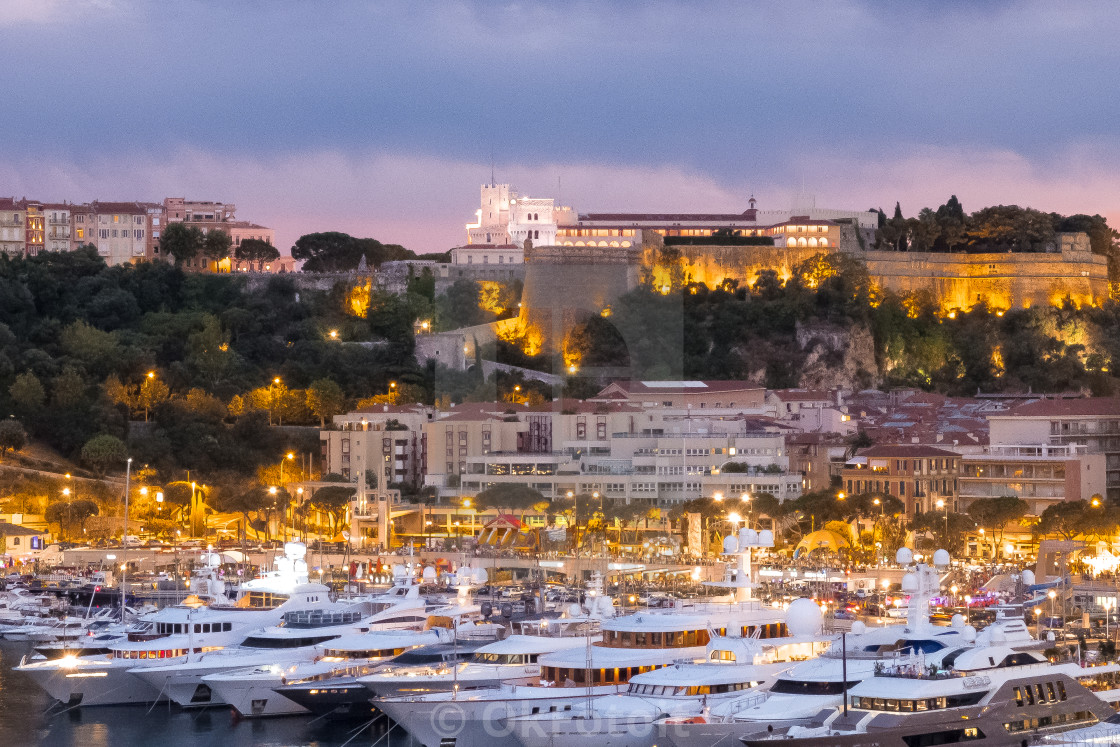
[(958, 281)]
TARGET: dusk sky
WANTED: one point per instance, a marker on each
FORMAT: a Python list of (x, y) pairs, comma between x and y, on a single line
[(382, 119)]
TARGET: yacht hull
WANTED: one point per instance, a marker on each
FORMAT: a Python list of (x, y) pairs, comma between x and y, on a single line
[(474, 720), (253, 698), (85, 684)]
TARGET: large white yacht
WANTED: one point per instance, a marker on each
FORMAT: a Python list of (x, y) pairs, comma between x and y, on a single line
[(984, 695), (733, 665), (252, 690), (628, 646), (170, 634), (799, 695)]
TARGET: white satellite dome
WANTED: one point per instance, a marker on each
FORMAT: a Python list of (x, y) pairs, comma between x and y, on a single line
[(1028, 577), (730, 545), (970, 634), (803, 618), (574, 610), (766, 538), (479, 575), (904, 556), (605, 606), (399, 571), (295, 549), (941, 558), (909, 583), (996, 635), (957, 621), (429, 574), (748, 537), (858, 628), (1050, 636)]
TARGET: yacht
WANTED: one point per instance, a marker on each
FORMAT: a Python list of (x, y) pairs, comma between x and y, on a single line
[(798, 695), (294, 639), (487, 663), (628, 646), (170, 634), (982, 695), (347, 697), (732, 666), (251, 691)]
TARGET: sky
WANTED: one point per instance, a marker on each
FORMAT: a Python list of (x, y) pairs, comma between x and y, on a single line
[(382, 119)]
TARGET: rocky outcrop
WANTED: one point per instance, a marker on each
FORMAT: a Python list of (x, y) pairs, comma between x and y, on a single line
[(837, 357)]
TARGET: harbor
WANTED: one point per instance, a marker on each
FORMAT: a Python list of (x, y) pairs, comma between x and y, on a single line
[(448, 657)]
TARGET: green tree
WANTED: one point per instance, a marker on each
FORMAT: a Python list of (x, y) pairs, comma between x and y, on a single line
[(216, 244), (104, 452), (1065, 520), (333, 501), (459, 306), (182, 241), (27, 392), (12, 435), (241, 499), (946, 531), (68, 388), (152, 392), (67, 514), (98, 350), (208, 351), (325, 399), (256, 250), (994, 514)]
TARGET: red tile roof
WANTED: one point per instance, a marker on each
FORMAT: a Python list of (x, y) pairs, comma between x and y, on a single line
[(910, 451), (1087, 407)]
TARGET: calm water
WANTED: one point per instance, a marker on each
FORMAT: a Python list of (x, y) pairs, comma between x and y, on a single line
[(27, 718)]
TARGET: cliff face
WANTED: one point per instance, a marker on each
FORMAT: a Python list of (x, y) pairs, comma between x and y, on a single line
[(837, 357)]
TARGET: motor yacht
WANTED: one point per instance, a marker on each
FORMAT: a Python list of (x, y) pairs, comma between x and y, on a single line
[(627, 646), (983, 695), (732, 666), (798, 695), (170, 634), (497, 656), (347, 697), (251, 691)]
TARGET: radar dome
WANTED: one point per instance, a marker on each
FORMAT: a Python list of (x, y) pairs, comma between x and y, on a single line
[(858, 627), (748, 537), (1028, 578), (574, 610), (479, 575), (957, 621), (766, 538), (909, 583), (996, 635), (904, 556), (969, 633), (730, 545), (941, 558), (803, 618), (399, 570), (1050, 636), (429, 574), (295, 549)]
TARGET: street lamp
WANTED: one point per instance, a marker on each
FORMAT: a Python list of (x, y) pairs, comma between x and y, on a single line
[(717, 496), (942, 504), (746, 498), (275, 381), (1053, 595), (967, 607), (289, 456)]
